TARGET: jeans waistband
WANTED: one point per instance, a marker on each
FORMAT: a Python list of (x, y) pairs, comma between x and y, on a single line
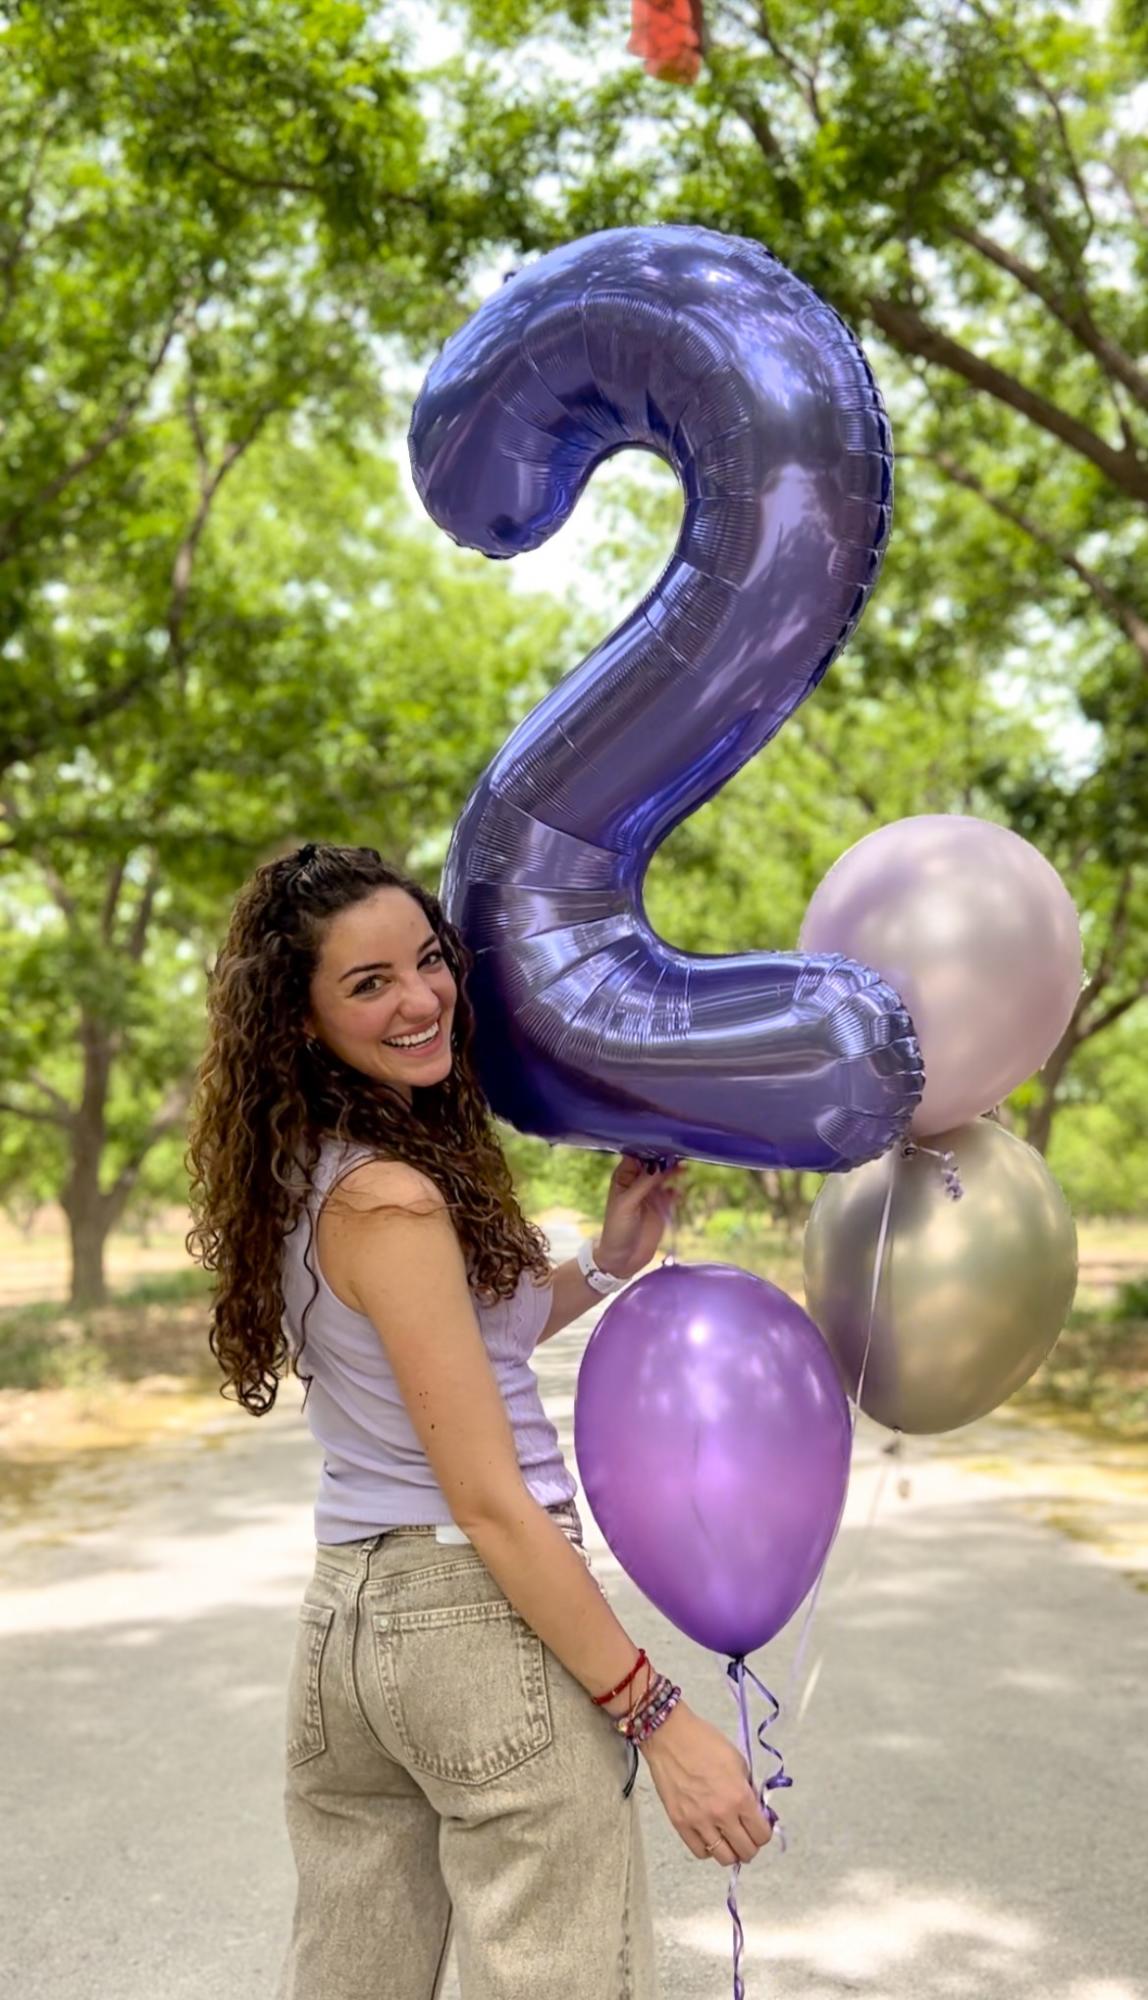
[(348, 1555)]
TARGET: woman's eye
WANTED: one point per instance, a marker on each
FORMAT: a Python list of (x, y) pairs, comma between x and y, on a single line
[(373, 977)]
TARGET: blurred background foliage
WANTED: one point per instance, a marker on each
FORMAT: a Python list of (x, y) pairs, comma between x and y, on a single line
[(233, 235)]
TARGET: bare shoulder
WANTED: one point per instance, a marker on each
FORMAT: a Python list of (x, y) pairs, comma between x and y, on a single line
[(378, 1186), (382, 1219)]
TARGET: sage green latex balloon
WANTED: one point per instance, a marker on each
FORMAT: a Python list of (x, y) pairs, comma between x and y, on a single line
[(973, 1292)]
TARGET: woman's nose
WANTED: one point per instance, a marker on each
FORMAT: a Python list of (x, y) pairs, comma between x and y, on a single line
[(420, 998)]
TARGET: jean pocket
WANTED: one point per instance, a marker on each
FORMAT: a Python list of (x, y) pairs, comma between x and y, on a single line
[(306, 1736), (465, 1688)]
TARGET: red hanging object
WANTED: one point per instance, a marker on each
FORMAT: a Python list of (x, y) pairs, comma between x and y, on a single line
[(667, 34)]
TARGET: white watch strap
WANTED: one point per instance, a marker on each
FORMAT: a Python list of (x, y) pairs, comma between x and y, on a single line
[(597, 1279)]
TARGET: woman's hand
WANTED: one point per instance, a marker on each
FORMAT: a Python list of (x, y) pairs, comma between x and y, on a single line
[(704, 1786), (638, 1207)]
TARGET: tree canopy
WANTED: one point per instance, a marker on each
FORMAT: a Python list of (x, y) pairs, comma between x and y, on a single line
[(968, 185), (231, 237)]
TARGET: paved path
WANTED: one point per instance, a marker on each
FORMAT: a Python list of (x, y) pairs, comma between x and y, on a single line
[(968, 1823)]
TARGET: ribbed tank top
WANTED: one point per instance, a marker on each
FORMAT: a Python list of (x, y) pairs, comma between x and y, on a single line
[(375, 1473)]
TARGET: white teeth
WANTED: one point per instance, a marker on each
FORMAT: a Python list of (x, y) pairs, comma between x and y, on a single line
[(413, 1041)]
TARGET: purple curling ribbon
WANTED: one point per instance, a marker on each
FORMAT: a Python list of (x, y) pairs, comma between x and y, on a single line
[(779, 1780), (950, 1173)]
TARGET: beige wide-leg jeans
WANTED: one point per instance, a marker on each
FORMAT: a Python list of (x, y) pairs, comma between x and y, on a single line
[(447, 1776)]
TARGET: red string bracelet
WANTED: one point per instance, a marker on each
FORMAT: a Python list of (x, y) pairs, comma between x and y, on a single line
[(600, 1700)]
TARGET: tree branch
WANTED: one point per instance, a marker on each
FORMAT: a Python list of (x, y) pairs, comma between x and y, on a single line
[(186, 552), (1133, 626), (1045, 91), (273, 183), (10, 530), (907, 329), (1117, 935), (1054, 104), (19, 749), (58, 890), (804, 80), (20, 234), (1076, 318), (845, 777), (195, 425), (139, 930), (1120, 178), (37, 1117), (1114, 1013), (755, 118), (112, 897), (53, 1095), (167, 1118)]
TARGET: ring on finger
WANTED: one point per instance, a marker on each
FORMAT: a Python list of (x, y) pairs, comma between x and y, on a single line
[(715, 1843)]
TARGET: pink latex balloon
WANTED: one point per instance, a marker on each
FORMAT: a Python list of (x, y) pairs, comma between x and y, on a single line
[(977, 933)]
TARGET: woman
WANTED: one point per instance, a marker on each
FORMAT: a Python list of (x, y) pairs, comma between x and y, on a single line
[(454, 1749)]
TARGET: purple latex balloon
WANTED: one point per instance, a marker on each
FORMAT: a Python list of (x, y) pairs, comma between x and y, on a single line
[(591, 1029), (712, 1436)]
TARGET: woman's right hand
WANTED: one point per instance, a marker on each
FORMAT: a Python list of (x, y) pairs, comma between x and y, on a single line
[(703, 1783)]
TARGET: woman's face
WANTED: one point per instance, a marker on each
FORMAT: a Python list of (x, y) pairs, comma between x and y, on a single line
[(382, 977)]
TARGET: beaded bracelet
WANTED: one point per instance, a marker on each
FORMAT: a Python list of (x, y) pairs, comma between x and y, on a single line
[(651, 1712), (656, 1719), (656, 1692), (646, 1715)]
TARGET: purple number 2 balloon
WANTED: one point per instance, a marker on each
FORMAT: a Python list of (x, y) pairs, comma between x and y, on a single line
[(592, 1029)]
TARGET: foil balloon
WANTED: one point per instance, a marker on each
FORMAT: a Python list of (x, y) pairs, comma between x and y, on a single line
[(713, 1442), (971, 1294), (592, 1030), (979, 935)]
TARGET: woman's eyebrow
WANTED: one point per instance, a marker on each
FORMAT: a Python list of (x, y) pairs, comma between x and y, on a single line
[(380, 964)]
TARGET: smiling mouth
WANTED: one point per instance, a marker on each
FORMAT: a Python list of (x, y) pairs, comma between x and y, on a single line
[(428, 1048)]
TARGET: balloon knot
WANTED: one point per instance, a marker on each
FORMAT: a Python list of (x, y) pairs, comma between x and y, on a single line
[(950, 1174)]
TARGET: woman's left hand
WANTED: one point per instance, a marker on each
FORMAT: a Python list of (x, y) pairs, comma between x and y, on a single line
[(638, 1207)]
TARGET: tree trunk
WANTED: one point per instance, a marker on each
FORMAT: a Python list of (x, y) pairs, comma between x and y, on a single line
[(785, 1197), (88, 1230), (89, 1212), (1038, 1125)]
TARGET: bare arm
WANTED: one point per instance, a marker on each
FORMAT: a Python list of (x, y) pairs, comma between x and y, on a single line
[(572, 1297), (402, 1265)]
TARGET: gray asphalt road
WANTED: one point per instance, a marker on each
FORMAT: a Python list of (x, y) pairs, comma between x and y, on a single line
[(971, 1772)]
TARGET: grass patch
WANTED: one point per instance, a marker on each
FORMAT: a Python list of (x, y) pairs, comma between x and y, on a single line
[(157, 1326), (1097, 1373)]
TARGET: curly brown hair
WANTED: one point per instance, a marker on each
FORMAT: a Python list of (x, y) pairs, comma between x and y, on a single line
[(265, 1100)]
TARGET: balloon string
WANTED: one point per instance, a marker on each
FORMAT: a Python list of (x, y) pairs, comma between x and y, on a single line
[(874, 1290), (779, 1780), (802, 1647), (670, 1254)]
